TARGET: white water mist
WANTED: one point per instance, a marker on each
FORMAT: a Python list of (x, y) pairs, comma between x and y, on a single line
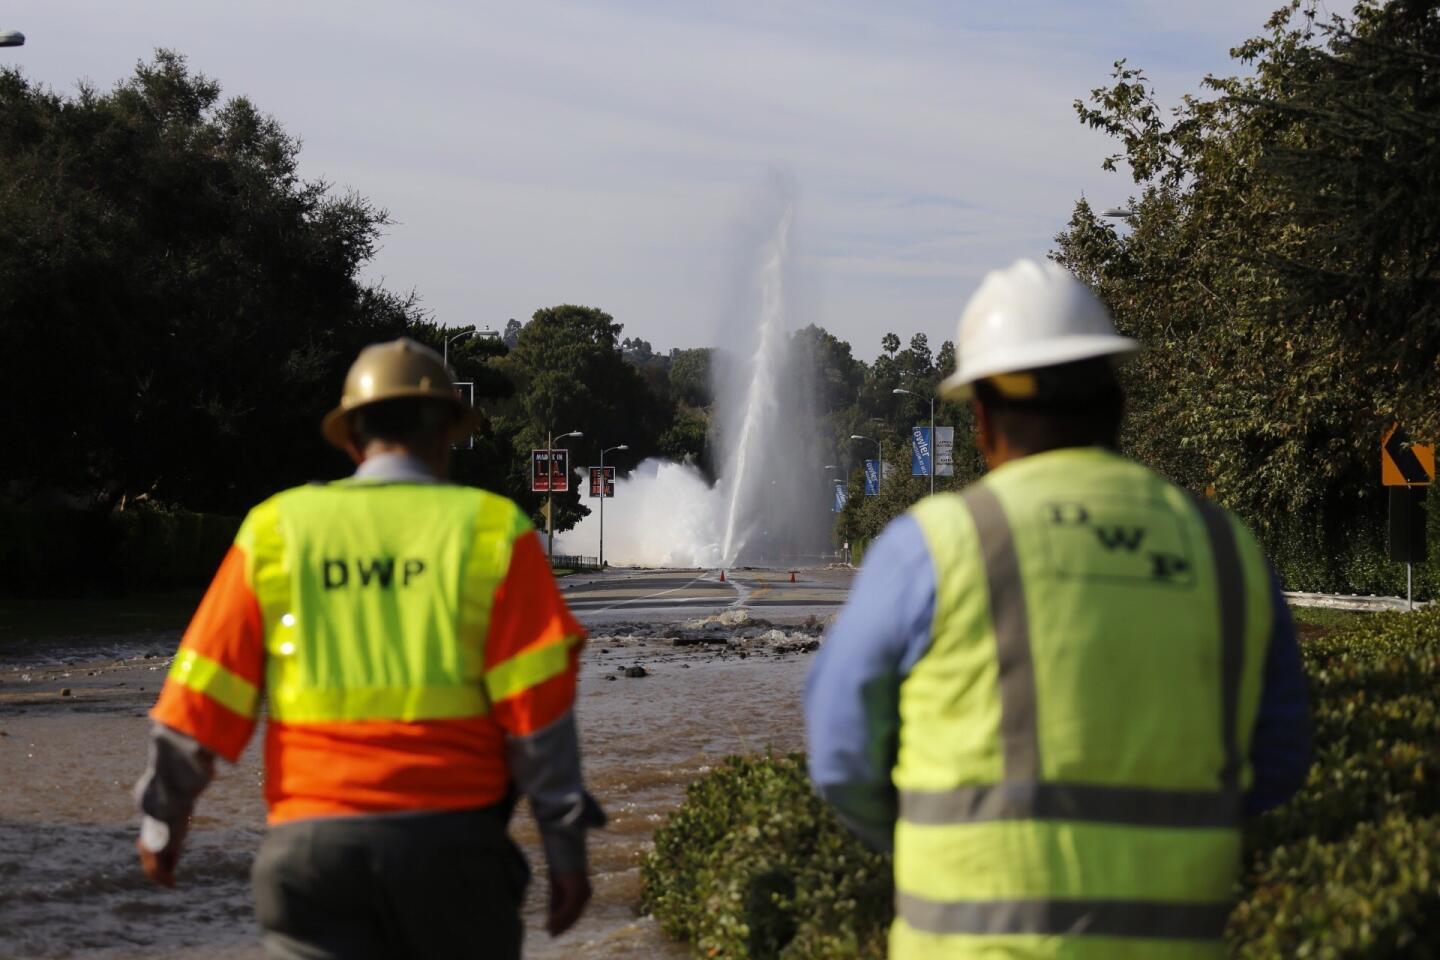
[(767, 506), (759, 413)]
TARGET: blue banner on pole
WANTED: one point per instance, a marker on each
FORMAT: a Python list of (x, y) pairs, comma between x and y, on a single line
[(839, 496), (920, 452), (872, 478)]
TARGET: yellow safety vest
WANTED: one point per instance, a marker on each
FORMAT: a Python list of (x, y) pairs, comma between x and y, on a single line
[(376, 600), (1074, 743)]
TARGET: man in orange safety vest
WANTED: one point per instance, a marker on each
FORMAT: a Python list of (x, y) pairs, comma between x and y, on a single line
[(418, 667)]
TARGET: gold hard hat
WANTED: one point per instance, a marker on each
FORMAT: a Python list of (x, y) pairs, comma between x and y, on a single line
[(396, 370)]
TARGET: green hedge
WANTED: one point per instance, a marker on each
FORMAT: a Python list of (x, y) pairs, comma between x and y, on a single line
[(160, 547), (48, 550), (754, 866), (1349, 555)]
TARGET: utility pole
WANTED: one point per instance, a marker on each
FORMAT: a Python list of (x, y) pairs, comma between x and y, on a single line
[(603, 488), (933, 464), (445, 355), (550, 489)]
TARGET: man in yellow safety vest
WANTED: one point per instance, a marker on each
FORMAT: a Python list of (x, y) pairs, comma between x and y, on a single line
[(1055, 694), (418, 667)]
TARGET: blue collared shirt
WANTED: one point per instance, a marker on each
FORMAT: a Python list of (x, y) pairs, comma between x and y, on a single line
[(852, 695)]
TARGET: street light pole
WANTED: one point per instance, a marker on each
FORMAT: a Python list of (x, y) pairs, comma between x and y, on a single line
[(933, 448), (602, 500), (879, 451), (449, 340), (12, 38), (550, 490)]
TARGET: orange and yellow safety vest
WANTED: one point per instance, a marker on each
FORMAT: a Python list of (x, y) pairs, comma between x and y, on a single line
[(398, 632)]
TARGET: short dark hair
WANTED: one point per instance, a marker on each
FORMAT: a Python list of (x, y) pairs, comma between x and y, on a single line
[(1077, 404), (410, 421)]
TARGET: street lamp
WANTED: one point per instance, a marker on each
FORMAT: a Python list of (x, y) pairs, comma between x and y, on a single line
[(1118, 213), (602, 500), (550, 492), (912, 393), (12, 38), (449, 340), (879, 452)]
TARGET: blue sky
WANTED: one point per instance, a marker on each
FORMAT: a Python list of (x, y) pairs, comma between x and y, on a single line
[(607, 153)]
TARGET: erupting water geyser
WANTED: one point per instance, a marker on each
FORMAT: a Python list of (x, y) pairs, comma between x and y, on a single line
[(769, 504)]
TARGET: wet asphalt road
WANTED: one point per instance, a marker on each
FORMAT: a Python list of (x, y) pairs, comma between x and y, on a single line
[(73, 736), (674, 595)]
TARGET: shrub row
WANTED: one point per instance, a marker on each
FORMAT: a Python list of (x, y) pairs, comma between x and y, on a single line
[(1349, 556), (753, 865), (58, 551)]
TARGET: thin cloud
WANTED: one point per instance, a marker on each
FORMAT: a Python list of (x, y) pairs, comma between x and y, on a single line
[(601, 152)]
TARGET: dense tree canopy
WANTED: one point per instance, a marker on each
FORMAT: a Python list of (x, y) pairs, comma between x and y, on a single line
[(180, 305), (176, 303), (1282, 266)]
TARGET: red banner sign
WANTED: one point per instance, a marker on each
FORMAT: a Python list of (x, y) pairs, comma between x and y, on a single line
[(595, 481), (549, 471)]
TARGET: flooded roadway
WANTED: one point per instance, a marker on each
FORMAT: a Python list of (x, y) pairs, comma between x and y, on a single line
[(69, 883)]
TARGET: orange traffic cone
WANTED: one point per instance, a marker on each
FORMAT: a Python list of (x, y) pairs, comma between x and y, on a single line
[(722, 576), (792, 576)]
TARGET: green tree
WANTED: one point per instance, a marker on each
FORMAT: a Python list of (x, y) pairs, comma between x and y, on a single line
[(570, 374), (690, 377), (178, 305), (1282, 266)]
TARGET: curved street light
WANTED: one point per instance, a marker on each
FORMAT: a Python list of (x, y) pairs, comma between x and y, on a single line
[(12, 38), (449, 340), (912, 393), (604, 451), (1118, 213), (550, 494), (879, 452)]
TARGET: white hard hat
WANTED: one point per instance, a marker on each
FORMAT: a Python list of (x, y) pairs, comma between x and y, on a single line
[(1027, 316)]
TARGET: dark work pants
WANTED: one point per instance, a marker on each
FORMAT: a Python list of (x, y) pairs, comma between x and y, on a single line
[(427, 886)]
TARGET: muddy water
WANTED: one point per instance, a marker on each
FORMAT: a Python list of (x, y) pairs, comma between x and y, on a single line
[(69, 885)]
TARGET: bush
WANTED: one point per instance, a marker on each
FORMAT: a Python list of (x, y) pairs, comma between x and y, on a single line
[(1375, 893), (161, 547), (1348, 555), (754, 865), (50, 550)]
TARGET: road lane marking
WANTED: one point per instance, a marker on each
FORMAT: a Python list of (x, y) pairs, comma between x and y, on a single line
[(651, 596)]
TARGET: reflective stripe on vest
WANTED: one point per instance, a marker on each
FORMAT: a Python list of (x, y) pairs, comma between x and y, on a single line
[(1017, 853), (376, 598), (204, 675), (1070, 918)]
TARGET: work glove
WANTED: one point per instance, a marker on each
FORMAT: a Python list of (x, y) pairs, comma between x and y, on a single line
[(159, 846), (569, 893)]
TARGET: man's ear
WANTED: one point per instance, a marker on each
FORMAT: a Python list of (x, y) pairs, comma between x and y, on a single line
[(984, 429), (352, 449)]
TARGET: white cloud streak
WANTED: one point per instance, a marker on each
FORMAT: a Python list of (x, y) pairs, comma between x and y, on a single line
[(600, 152)]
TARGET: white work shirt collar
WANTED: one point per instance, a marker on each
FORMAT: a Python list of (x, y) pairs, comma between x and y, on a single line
[(395, 468)]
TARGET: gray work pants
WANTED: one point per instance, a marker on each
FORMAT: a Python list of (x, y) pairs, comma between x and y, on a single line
[(427, 886)]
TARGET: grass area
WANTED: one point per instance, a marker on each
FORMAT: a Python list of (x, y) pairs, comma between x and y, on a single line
[(36, 618)]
